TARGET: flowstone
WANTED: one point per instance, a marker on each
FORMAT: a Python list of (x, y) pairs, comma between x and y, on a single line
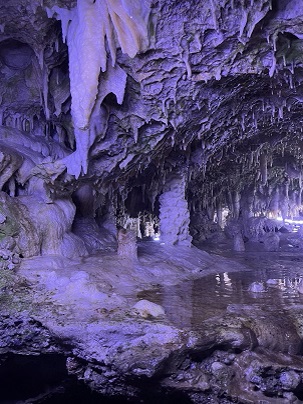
[(171, 116)]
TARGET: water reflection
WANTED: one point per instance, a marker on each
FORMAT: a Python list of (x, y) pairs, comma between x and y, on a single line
[(189, 304), (177, 302)]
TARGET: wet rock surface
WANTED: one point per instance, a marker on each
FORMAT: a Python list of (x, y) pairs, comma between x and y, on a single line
[(204, 339), (184, 117)]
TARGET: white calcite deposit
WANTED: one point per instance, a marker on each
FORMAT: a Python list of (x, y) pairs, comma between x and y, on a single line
[(132, 132)]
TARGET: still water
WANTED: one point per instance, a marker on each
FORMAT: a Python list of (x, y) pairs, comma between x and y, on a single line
[(189, 304)]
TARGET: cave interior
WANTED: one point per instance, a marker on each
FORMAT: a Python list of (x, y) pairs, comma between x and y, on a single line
[(145, 132)]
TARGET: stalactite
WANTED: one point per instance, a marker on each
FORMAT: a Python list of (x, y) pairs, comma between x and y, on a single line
[(251, 160), (213, 13), (220, 214), (229, 201), (286, 189), (273, 66), (187, 64), (299, 200), (86, 29), (243, 22), (263, 168), (236, 204)]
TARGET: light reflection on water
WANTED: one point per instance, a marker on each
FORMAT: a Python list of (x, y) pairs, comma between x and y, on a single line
[(189, 304)]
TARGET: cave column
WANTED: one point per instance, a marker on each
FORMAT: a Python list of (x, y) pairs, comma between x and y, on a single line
[(236, 204), (220, 214), (174, 212)]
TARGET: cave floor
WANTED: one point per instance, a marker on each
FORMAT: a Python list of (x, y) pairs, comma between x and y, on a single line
[(219, 336), (105, 283)]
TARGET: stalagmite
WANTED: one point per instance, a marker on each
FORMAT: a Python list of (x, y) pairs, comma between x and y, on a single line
[(127, 244), (238, 243), (174, 212), (167, 157)]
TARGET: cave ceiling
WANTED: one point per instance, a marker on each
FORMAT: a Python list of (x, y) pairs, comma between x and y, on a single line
[(211, 89)]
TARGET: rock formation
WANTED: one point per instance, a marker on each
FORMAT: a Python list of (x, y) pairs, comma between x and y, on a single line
[(219, 102), (162, 117)]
